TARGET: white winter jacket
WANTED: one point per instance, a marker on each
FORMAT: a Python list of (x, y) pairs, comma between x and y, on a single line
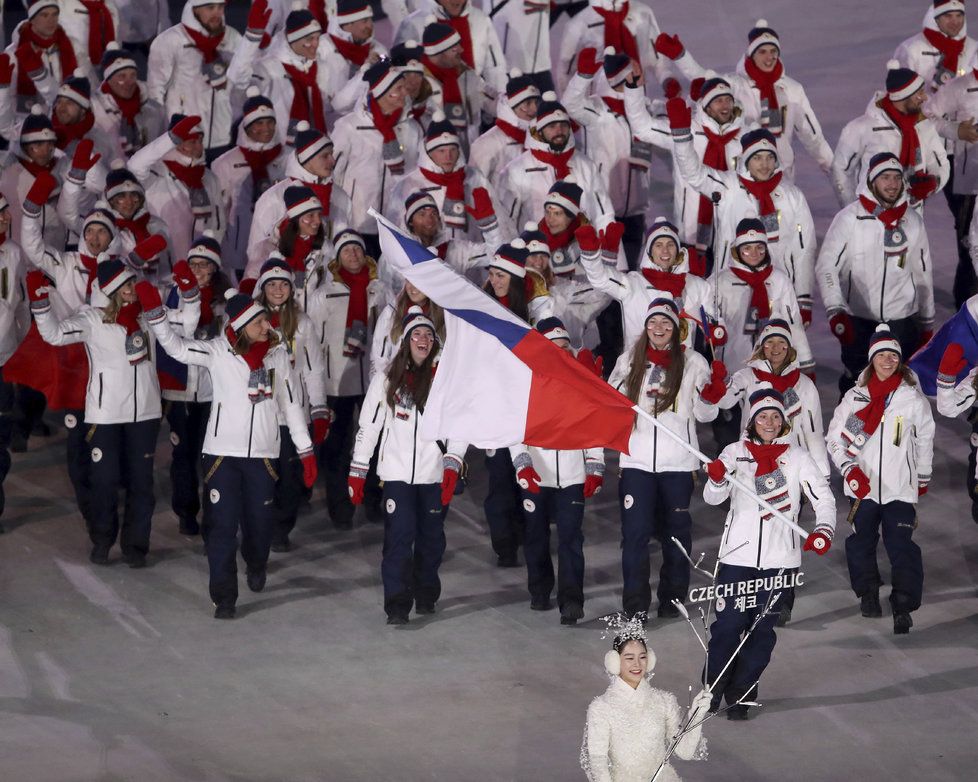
[(897, 457), (360, 168), (118, 392), (523, 31), (649, 449), (578, 303), (403, 455), (184, 319), (177, 80), (307, 360), (491, 151), (74, 21), (748, 539), (948, 107), (344, 79), (558, 469), (917, 53), (15, 317), (855, 275), (141, 20), (149, 124), (953, 399)]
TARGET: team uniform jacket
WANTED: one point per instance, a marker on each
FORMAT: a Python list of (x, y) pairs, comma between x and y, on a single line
[(578, 303), (793, 253), (46, 86), (918, 54), (344, 79), (169, 198), (177, 78), (141, 20), (654, 129), (956, 398), (624, 161), (236, 426), (360, 168), (733, 305), (16, 180), (118, 392), (150, 122), (807, 431), (306, 357), (856, 276), (184, 319), (476, 99), (15, 317), (491, 151), (74, 20), (524, 32), (874, 132), (748, 539), (948, 107), (559, 469), (403, 455), (897, 454), (327, 305), (650, 450)]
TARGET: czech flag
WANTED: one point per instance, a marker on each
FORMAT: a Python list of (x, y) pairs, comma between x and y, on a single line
[(499, 381), (962, 327)]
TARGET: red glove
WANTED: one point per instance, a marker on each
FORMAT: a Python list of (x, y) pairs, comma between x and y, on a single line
[(37, 285), (449, 478), (817, 542), (921, 491), (128, 317), (40, 193), (669, 46), (922, 186), (842, 329), (147, 250), (310, 470), (258, 18), (590, 363), (320, 430), (83, 159), (671, 88), (355, 484), (587, 62), (611, 237), (482, 210), (529, 479), (718, 335), (696, 87), (592, 485), (247, 287), (185, 129), (925, 337), (31, 60), (148, 295), (806, 313), (714, 390), (6, 70), (588, 239), (857, 482), (680, 117), (184, 277), (953, 361), (717, 471)]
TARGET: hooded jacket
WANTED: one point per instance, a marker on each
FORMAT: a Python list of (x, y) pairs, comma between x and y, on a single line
[(919, 55), (491, 151)]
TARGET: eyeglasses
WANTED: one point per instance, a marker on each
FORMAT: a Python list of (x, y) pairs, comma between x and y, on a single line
[(199, 266)]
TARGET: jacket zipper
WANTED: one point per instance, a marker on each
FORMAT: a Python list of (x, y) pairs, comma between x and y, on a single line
[(883, 290), (251, 429), (414, 448), (558, 469), (135, 389), (217, 418), (879, 477)]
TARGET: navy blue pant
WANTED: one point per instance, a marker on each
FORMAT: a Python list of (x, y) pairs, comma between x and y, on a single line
[(79, 461), (734, 617), (335, 456), (502, 504), (970, 480), (962, 209), (6, 432), (290, 489), (188, 425), (654, 504), (240, 493), (854, 360), (414, 544), (897, 520), (122, 457), (564, 507)]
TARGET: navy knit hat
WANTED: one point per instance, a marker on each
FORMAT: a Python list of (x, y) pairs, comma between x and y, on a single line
[(566, 194), (416, 201), (553, 329), (300, 200), (299, 24), (37, 127), (511, 258), (535, 239), (880, 162), (381, 76), (711, 89), (207, 247), (256, 107), (440, 133), (406, 57), (116, 59), (309, 142), (901, 82), (550, 110), (413, 318), (758, 140), (240, 310), (121, 180), (617, 67), (348, 11), (760, 35), (275, 268), (112, 275), (439, 37), (519, 88), (883, 339), (750, 230)]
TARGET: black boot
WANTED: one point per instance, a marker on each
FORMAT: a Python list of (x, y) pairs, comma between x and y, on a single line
[(570, 613), (256, 580), (869, 604), (784, 616), (225, 611), (738, 712), (902, 623)]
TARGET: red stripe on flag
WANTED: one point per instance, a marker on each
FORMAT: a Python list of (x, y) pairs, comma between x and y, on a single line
[(60, 373), (569, 407)]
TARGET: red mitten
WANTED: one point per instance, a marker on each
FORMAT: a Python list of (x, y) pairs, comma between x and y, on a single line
[(587, 62), (588, 239), (148, 295), (529, 480), (805, 308), (592, 484), (671, 88), (922, 186), (714, 390), (128, 317), (818, 542), (6, 70), (593, 365), (184, 277), (696, 87), (953, 361), (811, 376), (147, 250), (355, 485), (258, 18), (39, 194), (83, 159), (842, 329), (669, 46), (680, 117), (611, 238), (717, 471), (857, 482), (449, 479), (37, 285), (320, 430), (482, 210), (921, 490), (185, 129), (309, 470)]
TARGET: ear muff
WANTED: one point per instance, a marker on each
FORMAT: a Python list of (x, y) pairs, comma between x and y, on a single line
[(612, 663)]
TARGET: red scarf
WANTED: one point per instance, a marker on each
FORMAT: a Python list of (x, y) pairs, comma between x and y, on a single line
[(138, 226), (909, 141), (453, 182), (300, 249), (128, 107), (356, 309), (191, 176), (617, 105), (879, 390), (765, 81), (766, 456), (59, 41), (206, 44), (128, 317), (517, 134), (559, 160), (616, 34), (303, 86), (356, 53), (68, 133), (33, 168), (91, 266), (206, 311), (758, 290), (889, 217), (258, 161), (662, 358), (255, 355), (780, 383), (715, 157), (762, 192), (460, 24), (665, 281), (950, 48), (451, 93), (101, 29), (385, 123), (560, 240), (318, 9)]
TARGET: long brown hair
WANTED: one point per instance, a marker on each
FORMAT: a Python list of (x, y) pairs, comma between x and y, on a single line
[(518, 304), (904, 371), (674, 374), (401, 365), (289, 234), (288, 313), (401, 305), (242, 344)]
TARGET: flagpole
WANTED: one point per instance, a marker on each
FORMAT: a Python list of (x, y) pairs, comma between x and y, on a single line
[(799, 531)]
